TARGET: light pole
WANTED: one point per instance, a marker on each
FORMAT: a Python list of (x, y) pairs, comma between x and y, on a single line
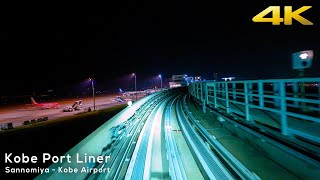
[(94, 99), (135, 84), (160, 80)]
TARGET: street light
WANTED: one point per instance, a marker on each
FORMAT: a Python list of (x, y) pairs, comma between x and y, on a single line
[(160, 80), (93, 97), (135, 84)]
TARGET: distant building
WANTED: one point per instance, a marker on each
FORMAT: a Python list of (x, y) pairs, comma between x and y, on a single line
[(180, 80), (197, 78)]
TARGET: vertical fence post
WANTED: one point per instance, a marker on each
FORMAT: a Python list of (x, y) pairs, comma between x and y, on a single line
[(283, 108), (303, 95), (276, 93), (234, 87), (204, 96), (227, 97), (206, 92), (250, 92), (198, 91), (193, 89), (221, 87), (201, 91), (260, 90), (215, 94), (246, 101), (295, 90)]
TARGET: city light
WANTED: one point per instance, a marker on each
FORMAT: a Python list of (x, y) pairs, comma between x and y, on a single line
[(304, 56), (228, 78)]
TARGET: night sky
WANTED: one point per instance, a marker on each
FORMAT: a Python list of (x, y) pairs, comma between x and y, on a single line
[(58, 48)]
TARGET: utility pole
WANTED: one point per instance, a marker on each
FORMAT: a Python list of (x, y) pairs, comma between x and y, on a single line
[(93, 96), (135, 84)]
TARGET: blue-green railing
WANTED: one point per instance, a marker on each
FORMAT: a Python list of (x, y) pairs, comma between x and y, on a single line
[(292, 103)]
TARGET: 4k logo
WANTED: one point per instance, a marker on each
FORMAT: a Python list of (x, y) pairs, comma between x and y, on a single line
[(288, 15)]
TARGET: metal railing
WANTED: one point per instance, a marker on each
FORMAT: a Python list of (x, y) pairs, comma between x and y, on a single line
[(292, 103)]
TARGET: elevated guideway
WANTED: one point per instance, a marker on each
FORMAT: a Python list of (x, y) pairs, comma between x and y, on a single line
[(242, 127), (104, 139)]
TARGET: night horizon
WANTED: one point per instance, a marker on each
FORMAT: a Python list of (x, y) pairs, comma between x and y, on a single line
[(59, 52), (160, 90)]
